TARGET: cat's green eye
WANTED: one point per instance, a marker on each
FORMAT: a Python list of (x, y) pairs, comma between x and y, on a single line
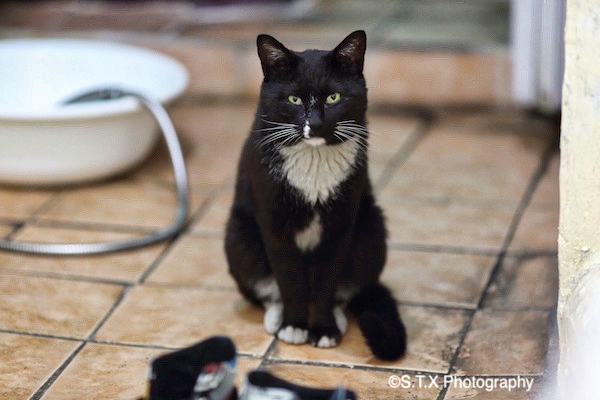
[(333, 98), (295, 100)]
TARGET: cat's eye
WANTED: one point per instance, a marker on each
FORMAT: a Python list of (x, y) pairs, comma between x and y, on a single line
[(295, 100), (333, 98)]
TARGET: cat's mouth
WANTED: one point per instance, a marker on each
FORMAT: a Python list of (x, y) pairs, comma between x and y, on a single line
[(314, 141), (311, 140)]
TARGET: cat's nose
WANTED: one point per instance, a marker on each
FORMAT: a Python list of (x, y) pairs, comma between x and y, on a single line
[(315, 121)]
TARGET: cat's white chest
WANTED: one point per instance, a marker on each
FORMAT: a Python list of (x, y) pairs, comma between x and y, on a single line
[(317, 171)]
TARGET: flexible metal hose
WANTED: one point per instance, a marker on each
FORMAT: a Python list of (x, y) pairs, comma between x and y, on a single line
[(181, 181)]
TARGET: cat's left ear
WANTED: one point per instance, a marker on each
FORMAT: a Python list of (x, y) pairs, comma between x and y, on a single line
[(350, 54)]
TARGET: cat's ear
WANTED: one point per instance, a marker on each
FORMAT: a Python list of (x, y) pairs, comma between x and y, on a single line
[(350, 54), (275, 58)]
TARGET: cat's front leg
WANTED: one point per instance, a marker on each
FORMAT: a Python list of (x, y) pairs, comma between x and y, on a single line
[(291, 311), (325, 335), (294, 321), (328, 322)]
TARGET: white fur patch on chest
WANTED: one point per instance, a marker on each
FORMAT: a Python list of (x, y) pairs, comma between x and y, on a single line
[(309, 238), (317, 171)]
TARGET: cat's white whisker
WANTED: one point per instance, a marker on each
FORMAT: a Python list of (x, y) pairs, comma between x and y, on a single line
[(286, 134), (360, 140), (287, 124), (289, 139), (274, 128), (358, 128), (352, 131)]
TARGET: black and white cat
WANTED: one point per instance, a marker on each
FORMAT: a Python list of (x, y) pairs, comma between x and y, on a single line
[(305, 237)]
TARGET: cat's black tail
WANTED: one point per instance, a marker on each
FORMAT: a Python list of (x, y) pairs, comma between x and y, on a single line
[(379, 321)]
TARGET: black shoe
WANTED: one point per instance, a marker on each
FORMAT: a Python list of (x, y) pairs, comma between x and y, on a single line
[(203, 371), (261, 385)]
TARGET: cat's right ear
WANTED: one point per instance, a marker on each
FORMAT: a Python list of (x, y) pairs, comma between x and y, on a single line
[(275, 58)]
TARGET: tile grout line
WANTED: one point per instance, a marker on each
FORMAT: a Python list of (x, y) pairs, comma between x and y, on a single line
[(64, 277), (94, 226), (44, 207), (50, 381), (201, 211), (41, 335), (426, 248), (264, 359), (516, 220), (518, 216), (355, 367), (134, 345), (524, 254), (405, 151), (463, 336)]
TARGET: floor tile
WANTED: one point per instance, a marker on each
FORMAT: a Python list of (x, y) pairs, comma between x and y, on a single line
[(537, 231), (453, 224), (120, 203), (27, 362), (214, 220), (245, 365), (525, 283), (20, 204), (433, 336), (54, 307), (177, 317), (486, 164), (387, 133), (455, 280), (527, 388), (195, 261), (211, 137), (505, 343), (113, 372), (377, 166), (104, 372), (5, 230), (368, 385), (121, 266)]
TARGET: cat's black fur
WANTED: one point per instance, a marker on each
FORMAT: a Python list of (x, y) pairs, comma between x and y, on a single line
[(304, 216)]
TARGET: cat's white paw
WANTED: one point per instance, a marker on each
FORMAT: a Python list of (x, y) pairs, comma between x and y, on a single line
[(326, 342), (293, 335), (340, 319), (273, 317)]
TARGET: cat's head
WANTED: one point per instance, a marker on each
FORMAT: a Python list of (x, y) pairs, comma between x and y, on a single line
[(315, 96)]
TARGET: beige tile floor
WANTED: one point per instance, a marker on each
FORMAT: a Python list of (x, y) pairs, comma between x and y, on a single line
[(472, 214)]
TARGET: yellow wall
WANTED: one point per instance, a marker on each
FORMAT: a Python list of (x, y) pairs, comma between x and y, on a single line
[(579, 238)]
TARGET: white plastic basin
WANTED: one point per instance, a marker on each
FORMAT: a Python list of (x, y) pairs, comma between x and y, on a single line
[(44, 142)]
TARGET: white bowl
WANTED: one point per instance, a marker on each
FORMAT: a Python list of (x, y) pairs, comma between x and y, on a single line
[(44, 142)]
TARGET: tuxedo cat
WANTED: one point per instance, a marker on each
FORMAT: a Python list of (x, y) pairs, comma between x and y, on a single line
[(305, 238)]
